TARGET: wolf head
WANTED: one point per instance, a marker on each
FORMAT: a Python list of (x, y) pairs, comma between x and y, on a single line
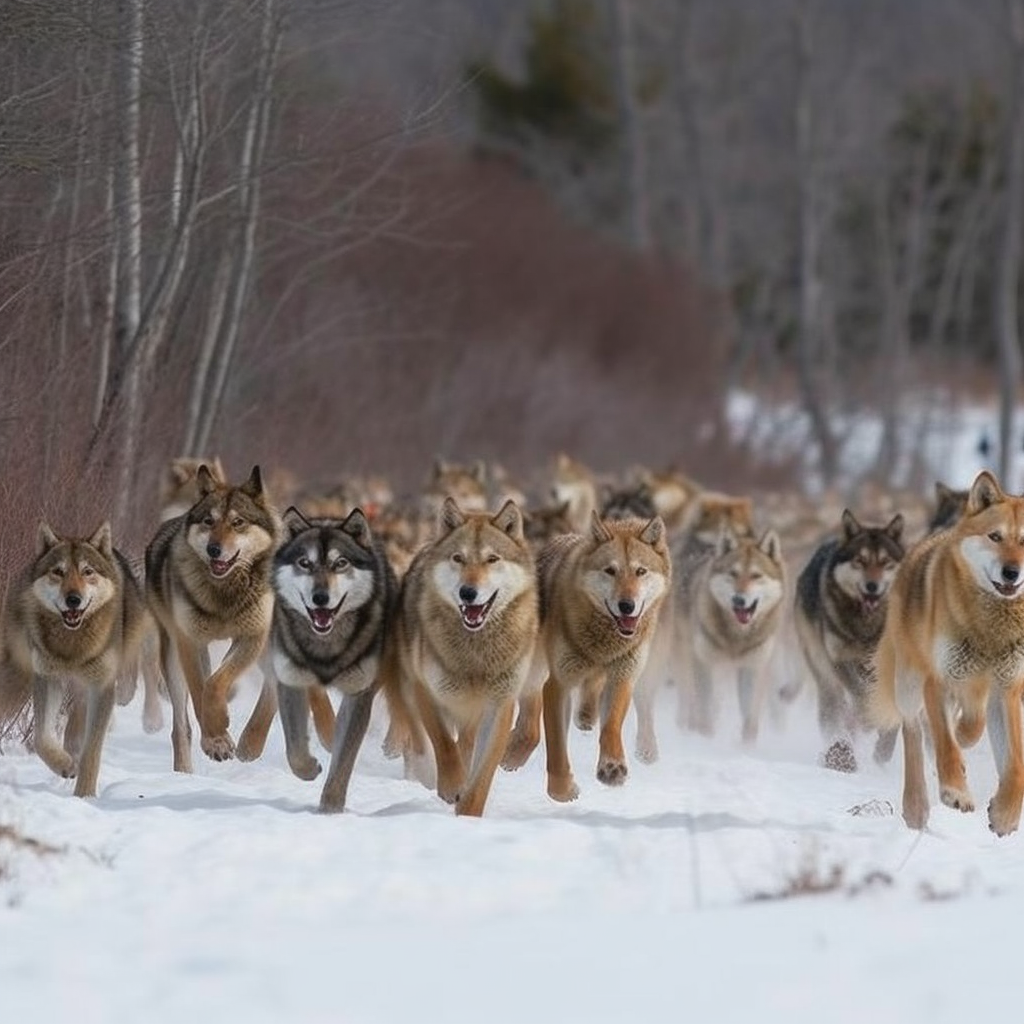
[(466, 484), (711, 514), (571, 478), (747, 576), (179, 489), (481, 563), (74, 578), (230, 527), (866, 559), (626, 569), (949, 507), (990, 538), (325, 567)]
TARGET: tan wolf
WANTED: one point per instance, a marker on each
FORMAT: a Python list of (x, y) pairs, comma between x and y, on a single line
[(953, 644), (208, 578), (574, 485), (600, 598), (462, 646), (731, 621), (75, 617)]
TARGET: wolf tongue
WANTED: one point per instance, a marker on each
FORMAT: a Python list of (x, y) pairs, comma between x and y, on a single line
[(321, 617), (628, 622), (474, 612)]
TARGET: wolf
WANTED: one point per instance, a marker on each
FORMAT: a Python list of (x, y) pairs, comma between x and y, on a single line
[(334, 593), (839, 612), (950, 505), (179, 486), (600, 598), (732, 619), (463, 645), (208, 578), (953, 645), (466, 484), (75, 616), (575, 486)]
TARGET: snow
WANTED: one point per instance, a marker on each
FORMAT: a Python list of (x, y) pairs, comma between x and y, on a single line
[(225, 894)]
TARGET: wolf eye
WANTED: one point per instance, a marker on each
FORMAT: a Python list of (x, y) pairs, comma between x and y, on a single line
[(491, 559), (611, 570), (88, 571), (341, 563), (755, 576), (458, 559), (641, 570), (857, 563), (58, 571), (207, 520), (995, 536), (304, 563)]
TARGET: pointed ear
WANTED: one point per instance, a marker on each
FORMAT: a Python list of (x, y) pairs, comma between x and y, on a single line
[(895, 527), (985, 491), (217, 470), (480, 471), (942, 492), (440, 467), (205, 481), (101, 541), (850, 525), (45, 539), (599, 533), (452, 517), (254, 485), (771, 545), (294, 522), (180, 471), (357, 526), (653, 532), (510, 520)]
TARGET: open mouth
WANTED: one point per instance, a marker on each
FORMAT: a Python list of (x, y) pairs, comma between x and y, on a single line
[(475, 615), (73, 617), (221, 567), (625, 624), (1008, 589), (744, 613), (870, 603), (322, 619)]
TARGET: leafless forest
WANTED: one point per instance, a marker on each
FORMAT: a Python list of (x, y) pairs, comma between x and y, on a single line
[(335, 237)]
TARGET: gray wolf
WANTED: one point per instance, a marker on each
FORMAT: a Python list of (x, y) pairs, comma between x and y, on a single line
[(74, 618), (950, 505), (208, 578), (334, 593), (462, 647), (600, 598), (953, 645), (839, 612)]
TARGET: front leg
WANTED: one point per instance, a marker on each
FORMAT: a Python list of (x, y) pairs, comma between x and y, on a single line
[(525, 737), (611, 764), (213, 718), (294, 708), (451, 774), (349, 730), (254, 735), (557, 705), (915, 792), (751, 698), (174, 678), (491, 738), (100, 706), (47, 696), (949, 761), (1004, 727)]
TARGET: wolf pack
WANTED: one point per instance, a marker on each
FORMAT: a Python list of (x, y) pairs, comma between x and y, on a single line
[(488, 622)]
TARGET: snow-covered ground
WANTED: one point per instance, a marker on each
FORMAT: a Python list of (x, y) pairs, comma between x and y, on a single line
[(224, 896)]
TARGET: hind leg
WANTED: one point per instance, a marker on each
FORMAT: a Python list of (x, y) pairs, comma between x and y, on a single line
[(751, 698), (1004, 726), (525, 737), (702, 702), (323, 715), (949, 760), (254, 736), (181, 730), (152, 709), (915, 792), (588, 706), (643, 701), (973, 712), (47, 695), (100, 706), (74, 729)]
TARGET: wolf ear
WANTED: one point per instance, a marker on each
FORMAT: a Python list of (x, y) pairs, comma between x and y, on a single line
[(217, 470), (45, 539), (653, 532), (985, 491), (895, 527), (294, 522), (599, 533), (943, 492), (205, 481), (480, 471), (510, 520), (357, 526), (440, 467), (254, 485), (101, 541), (180, 471), (452, 517), (850, 525), (771, 545)]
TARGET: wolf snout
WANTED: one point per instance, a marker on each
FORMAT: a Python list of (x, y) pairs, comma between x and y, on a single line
[(74, 600), (627, 607), (468, 595), (871, 587), (321, 598), (214, 550), (1011, 573), (739, 602)]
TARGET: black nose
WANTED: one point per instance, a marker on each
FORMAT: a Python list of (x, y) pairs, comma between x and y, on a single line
[(739, 601), (73, 600), (320, 598), (467, 595), (1010, 573), (627, 607), (214, 550), (871, 587)]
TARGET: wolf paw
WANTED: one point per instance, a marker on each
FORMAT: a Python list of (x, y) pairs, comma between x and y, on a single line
[(840, 757), (152, 719), (517, 751), (449, 792), (612, 773), (564, 791), (307, 767), (958, 799), (1001, 821), (915, 814), (584, 718), (647, 752), (218, 748)]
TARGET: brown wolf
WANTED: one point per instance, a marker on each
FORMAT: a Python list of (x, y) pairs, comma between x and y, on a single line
[(208, 578), (462, 646), (600, 598), (75, 618), (953, 644)]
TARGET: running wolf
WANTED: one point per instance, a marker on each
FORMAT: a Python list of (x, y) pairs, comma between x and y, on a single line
[(208, 578), (732, 619), (75, 617), (600, 598), (462, 646), (334, 591), (840, 607), (953, 644)]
